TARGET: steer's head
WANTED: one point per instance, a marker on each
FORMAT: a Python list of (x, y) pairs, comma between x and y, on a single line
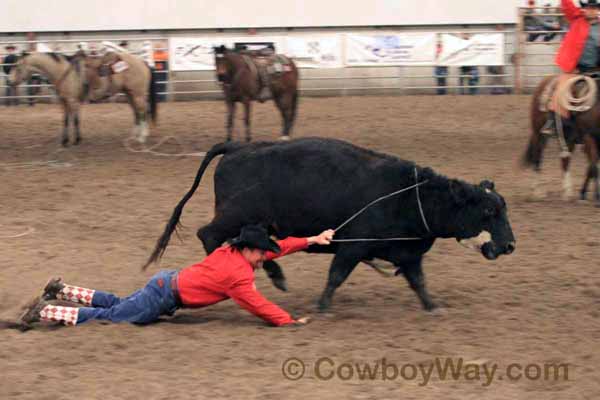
[(481, 219)]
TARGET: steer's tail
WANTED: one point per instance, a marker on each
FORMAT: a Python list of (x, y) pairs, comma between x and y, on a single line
[(163, 241)]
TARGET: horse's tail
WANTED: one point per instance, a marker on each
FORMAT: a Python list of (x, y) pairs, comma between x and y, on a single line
[(152, 95), (295, 105), (295, 95), (532, 157), (163, 241)]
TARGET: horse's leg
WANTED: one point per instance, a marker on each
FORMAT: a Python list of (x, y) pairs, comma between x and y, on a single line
[(230, 116), (139, 103), (247, 109), (565, 162), (67, 113), (591, 150), (76, 122), (284, 104)]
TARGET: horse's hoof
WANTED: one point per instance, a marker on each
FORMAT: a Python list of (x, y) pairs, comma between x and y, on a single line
[(65, 143), (77, 141), (141, 139), (285, 138)]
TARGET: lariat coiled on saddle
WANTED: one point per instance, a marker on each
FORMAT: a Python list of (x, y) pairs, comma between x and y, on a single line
[(575, 93)]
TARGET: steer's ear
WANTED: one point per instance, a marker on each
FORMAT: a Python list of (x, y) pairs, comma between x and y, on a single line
[(485, 184), (461, 192)]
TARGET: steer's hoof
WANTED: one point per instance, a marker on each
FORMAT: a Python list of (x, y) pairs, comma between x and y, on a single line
[(324, 305), (280, 284)]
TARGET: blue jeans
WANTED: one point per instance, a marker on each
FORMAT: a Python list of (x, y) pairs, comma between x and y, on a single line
[(141, 307)]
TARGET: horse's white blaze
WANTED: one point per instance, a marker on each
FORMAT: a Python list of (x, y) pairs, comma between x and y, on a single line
[(477, 242), (567, 185)]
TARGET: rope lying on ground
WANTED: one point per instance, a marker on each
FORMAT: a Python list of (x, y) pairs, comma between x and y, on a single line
[(27, 232), (151, 150)]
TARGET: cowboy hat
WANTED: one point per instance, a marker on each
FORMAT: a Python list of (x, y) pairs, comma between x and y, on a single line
[(255, 237)]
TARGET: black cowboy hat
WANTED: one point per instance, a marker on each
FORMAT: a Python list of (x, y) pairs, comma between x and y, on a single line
[(589, 3), (255, 237), (10, 46)]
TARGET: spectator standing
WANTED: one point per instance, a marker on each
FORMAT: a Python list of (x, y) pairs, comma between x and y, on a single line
[(9, 60)]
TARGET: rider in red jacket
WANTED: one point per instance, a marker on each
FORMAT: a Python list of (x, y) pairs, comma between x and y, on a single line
[(226, 273), (579, 51)]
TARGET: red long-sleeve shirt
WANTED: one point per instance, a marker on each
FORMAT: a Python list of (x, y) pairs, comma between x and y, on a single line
[(225, 274), (572, 45)]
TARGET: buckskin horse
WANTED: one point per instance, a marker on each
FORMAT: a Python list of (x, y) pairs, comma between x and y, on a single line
[(113, 73), (68, 77), (580, 127), (243, 75)]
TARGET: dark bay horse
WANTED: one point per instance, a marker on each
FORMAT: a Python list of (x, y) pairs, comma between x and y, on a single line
[(242, 75), (580, 128)]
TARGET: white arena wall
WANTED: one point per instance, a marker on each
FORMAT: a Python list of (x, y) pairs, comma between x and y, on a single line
[(315, 81), (109, 15)]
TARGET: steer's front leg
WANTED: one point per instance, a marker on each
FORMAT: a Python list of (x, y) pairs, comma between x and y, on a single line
[(414, 275)]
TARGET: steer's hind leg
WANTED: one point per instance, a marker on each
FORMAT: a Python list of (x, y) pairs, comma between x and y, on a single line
[(414, 275), (275, 273), (342, 265), (218, 231)]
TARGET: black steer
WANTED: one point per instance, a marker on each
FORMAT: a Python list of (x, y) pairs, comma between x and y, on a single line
[(305, 186)]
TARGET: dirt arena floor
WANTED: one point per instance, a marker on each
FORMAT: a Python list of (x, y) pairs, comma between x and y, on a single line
[(92, 213)]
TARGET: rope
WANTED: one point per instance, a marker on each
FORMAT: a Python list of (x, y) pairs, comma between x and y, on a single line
[(151, 150), (27, 232), (356, 214), (582, 101), (419, 203)]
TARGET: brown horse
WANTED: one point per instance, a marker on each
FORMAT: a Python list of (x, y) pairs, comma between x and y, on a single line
[(114, 73), (582, 127), (68, 77), (245, 74)]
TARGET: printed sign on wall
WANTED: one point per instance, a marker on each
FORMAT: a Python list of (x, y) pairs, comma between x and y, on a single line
[(393, 49), (315, 52), (479, 49)]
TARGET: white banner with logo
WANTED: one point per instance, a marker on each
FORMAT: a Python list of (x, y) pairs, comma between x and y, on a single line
[(315, 52), (196, 54), (193, 54), (392, 49), (479, 49)]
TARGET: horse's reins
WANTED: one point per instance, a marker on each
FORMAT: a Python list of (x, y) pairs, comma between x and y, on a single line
[(356, 214)]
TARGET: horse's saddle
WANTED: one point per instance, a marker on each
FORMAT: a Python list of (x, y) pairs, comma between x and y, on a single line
[(114, 65), (568, 93)]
